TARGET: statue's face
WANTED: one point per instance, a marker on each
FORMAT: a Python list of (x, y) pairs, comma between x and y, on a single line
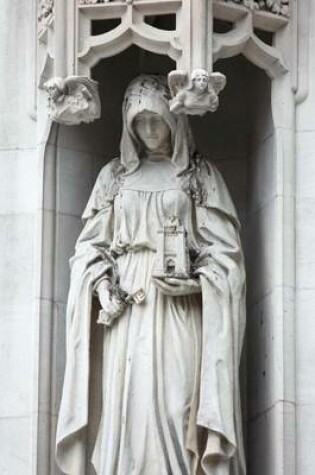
[(201, 82), (151, 130)]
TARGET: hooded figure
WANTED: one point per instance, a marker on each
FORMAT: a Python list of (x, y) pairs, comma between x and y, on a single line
[(169, 369)]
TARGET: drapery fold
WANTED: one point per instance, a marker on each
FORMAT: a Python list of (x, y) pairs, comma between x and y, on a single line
[(221, 271), (198, 192)]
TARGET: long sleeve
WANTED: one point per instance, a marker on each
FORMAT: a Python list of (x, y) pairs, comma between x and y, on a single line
[(87, 266), (220, 266), (97, 234)]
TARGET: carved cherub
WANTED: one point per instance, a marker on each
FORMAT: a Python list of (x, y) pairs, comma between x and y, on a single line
[(195, 95), (73, 100)]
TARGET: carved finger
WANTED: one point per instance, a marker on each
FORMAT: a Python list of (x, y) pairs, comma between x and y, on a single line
[(162, 284), (173, 281), (165, 288)]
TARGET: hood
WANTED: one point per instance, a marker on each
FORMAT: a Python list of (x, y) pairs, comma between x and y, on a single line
[(151, 93)]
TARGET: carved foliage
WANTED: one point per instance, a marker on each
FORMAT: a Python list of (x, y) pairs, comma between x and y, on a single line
[(73, 100), (45, 11), (280, 7)]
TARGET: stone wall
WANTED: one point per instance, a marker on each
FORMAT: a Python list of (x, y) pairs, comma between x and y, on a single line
[(18, 204), (305, 234), (41, 202), (261, 284)]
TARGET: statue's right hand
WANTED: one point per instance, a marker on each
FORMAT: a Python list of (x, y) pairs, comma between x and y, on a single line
[(110, 303)]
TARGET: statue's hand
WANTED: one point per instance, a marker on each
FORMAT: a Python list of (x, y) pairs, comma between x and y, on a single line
[(110, 303), (177, 287)]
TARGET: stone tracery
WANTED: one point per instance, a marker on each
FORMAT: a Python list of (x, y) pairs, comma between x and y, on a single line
[(279, 7), (93, 2)]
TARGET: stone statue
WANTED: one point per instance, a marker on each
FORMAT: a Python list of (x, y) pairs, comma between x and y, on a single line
[(171, 341), (73, 100), (196, 95)]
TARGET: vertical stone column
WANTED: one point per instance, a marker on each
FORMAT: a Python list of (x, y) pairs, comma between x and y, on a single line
[(271, 316), (199, 49), (305, 233), (48, 308), (18, 203), (196, 26), (61, 38)]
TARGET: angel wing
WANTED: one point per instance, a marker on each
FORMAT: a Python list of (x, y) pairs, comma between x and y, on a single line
[(217, 81), (177, 80), (72, 83)]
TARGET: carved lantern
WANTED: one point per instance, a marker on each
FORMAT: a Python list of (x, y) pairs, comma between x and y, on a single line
[(172, 258)]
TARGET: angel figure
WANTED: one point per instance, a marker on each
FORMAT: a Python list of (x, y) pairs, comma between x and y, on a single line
[(195, 95), (73, 100)]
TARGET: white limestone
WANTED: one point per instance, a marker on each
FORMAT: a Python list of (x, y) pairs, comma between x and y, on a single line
[(196, 95), (256, 155), (117, 262), (73, 100)]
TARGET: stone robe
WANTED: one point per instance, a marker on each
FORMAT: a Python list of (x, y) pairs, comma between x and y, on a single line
[(169, 375)]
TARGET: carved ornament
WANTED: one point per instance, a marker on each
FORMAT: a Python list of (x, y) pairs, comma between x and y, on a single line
[(45, 13), (133, 29), (73, 100), (195, 94), (242, 39), (279, 7), (94, 2)]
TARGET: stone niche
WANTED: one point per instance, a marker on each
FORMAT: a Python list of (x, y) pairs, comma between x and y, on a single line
[(238, 138)]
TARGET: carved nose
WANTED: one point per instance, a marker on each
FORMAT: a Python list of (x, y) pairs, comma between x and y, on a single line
[(148, 127)]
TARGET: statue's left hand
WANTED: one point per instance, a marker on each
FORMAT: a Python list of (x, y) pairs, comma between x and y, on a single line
[(177, 287), (110, 303)]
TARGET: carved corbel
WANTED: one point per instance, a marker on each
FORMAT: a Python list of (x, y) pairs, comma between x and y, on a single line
[(73, 100), (196, 94), (242, 39)]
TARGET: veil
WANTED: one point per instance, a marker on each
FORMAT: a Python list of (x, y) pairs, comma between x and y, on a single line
[(151, 93)]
